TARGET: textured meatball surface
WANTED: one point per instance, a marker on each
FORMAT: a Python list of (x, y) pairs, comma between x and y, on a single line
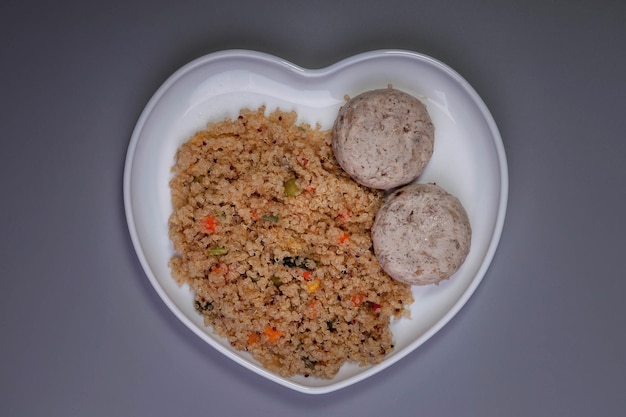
[(383, 138), (421, 235)]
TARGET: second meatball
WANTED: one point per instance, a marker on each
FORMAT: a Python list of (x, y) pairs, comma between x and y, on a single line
[(422, 234)]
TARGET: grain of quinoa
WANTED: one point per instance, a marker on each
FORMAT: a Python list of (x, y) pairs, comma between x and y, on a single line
[(274, 240)]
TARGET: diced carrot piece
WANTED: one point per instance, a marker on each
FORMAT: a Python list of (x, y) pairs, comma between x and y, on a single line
[(273, 334), (306, 275), (357, 299), (253, 338), (210, 223), (220, 269)]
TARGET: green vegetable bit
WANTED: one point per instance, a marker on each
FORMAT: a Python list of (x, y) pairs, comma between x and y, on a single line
[(291, 187), (270, 218), (218, 251)]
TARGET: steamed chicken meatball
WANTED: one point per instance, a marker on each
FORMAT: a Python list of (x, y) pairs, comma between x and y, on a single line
[(383, 138), (421, 234)]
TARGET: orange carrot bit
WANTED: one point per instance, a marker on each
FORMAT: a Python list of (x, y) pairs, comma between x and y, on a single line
[(254, 214), (357, 299), (306, 275), (210, 223), (310, 189), (220, 268), (253, 338), (273, 334), (343, 238)]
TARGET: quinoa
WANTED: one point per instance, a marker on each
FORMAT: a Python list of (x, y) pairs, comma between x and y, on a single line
[(273, 238)]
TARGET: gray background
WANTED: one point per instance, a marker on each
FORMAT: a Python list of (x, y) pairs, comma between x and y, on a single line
[(83, 332)]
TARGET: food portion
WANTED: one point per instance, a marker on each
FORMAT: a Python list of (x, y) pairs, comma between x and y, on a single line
[(383, 138), (421, 234), (273, 238), (283, 233)]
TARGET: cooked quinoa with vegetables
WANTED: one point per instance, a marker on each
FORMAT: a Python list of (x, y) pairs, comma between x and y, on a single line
[(273, 238)]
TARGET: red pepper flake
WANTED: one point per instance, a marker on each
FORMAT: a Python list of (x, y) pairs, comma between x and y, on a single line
[(344, 214), (343, 238), (306, 275)]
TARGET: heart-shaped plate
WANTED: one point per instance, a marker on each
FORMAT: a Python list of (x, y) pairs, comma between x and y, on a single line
[(469, 161)]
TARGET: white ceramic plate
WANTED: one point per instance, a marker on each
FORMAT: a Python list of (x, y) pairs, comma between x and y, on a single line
[(469, 161)]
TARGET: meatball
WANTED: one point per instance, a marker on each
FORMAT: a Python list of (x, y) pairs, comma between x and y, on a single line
[(421, 235), (383, 138)]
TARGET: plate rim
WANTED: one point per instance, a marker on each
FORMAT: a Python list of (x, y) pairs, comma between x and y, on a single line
[(314, 73)]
